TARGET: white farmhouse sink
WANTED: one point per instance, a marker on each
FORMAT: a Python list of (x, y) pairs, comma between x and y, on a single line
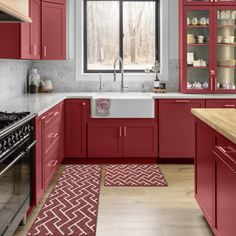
[(126, 105)]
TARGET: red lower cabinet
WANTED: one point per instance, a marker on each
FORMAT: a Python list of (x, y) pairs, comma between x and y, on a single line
[(140, 139), (38, 162), (122, 139), (204, 169), (225, 194), (76, 116), (104, 140), (221, 103), (215, 179), (176, 127)]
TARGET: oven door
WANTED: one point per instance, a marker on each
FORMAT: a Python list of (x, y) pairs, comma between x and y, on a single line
[(15, 183)]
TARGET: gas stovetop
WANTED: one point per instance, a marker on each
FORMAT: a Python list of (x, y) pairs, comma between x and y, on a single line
[(7, 119)]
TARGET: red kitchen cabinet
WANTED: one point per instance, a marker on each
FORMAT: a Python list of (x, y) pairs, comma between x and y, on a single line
[(140, 139), (53, 31), (38, 163), (105, 139), (221, 103), (207, 62), (176, 128), (225, 190), (122, 139), (56, 1), (207, 2), (204, 169), (22, 41), (76, 115)]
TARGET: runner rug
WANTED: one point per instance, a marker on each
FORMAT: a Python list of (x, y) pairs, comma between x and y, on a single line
[(72, 206), (134, 175)]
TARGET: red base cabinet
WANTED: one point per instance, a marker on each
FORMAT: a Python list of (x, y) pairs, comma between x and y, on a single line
[(215, 179), (49, 151), (76, 116), (104, 140), (221, 103), (204, 170), (176, 128), (122, 139), (140, 139)]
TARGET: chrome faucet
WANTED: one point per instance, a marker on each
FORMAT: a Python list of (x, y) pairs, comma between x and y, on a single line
[(122, 73)]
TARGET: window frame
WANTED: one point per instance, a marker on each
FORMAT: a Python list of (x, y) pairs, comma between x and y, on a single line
[(121, 35)]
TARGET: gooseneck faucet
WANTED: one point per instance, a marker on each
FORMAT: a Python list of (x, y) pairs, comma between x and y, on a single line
[(122, 72)]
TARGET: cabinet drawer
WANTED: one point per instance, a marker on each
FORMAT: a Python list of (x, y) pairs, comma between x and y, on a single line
[(51, 163), (221, 103), (51, 135), (52, 115)]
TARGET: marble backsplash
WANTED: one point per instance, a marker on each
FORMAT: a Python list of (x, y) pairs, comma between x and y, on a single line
[(62, 73), (13, 74)]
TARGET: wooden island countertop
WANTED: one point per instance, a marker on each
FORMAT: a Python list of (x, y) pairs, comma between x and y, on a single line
[(221, 120)]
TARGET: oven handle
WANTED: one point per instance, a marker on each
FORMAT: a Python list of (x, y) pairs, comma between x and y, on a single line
[(30, 146), (12, 163)]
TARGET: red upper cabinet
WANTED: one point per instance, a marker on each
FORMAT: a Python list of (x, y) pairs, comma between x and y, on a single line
[(22, 41), (53, 31), (207, 47), (176, 128), (140, 139), (76, 115), (208, 2)]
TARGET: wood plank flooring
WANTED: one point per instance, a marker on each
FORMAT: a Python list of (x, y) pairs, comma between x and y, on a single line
[(146, 211)]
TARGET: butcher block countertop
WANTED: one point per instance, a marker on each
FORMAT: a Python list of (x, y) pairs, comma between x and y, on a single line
[(221, 120)]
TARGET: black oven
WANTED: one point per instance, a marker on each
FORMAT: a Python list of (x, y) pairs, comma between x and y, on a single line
[(16, 165)]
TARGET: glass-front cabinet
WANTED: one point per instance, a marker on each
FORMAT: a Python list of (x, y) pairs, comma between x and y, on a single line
[(208, 49), (208, 2)]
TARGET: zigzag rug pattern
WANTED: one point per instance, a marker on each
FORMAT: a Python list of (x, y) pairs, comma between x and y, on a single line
[(72, 206), (134, 175)]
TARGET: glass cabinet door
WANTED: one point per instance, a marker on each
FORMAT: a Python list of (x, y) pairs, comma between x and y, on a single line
[(226, 49), (198, 50), (198, 2)]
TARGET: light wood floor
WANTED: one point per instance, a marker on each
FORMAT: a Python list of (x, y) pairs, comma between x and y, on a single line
[(146, 211)]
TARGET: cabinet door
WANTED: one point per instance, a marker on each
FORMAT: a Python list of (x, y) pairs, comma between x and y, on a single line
[(38, 163), (176, 128), (104, 139), (197, 44), (31, 33), (198, 2), (222, 103), (225, 192), (56, 1), (224, 37), (140, 140), (204, 169), (53, 31), (76, 112)]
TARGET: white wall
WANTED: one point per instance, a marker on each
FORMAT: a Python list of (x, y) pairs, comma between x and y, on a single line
[(173, 29)]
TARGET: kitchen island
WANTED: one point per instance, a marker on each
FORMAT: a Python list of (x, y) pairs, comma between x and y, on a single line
[(215, 167)]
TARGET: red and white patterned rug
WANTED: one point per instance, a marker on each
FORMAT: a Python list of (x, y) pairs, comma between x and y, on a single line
[(134, 175), (72, 206)]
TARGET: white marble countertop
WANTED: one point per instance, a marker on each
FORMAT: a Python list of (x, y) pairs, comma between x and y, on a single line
[(40, 103)]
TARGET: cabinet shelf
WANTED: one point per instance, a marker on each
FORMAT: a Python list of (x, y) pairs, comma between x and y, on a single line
[(227, 26), (198, 67), (229, 67), (197, 26), (227, 44)]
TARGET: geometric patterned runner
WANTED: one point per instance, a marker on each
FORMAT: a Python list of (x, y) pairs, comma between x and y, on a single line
[(72, 206), (134, 175)]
